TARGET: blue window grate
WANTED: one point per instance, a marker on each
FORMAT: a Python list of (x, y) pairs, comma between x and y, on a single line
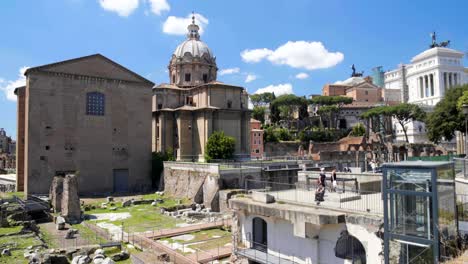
[(95, 103)]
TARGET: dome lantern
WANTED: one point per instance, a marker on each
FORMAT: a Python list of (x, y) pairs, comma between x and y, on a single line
[(193, 62)]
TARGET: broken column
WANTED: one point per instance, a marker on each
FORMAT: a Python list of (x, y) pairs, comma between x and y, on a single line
[(70, 200), (55, 193), (64, 197)]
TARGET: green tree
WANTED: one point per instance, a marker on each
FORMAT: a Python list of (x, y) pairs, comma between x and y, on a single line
[(269, 135), (331, 100), (262, 99), (332, 106), (327, 111), (358, 130), (447, 117), (404, 114), (463, 100), (288, 103), (219, 146), (259, 113), (378, 115)]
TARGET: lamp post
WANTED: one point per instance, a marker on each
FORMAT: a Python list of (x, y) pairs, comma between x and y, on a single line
[(465, 112)]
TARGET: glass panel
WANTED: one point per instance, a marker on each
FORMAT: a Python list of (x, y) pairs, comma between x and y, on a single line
[(409, 180), (447, 207), (412, 254), (412, 216)]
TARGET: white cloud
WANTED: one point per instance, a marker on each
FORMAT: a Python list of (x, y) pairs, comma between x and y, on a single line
[(158, 6), (255, 55), (178, 25), (229, 71), (121, 7), (250, 78), (297, 54), (8, 87), (302, 76), (279, 89)]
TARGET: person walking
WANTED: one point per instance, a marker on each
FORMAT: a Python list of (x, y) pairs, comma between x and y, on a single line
[(333, 180), (320, 191), (322, 177)]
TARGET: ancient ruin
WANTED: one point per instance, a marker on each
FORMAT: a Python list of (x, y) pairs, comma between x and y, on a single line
[(64, 197)]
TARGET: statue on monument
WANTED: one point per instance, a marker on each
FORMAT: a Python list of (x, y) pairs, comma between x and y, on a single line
[(434, 43), (354, 73)]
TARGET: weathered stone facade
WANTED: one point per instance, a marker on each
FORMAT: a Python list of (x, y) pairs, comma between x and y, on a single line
[(7, 151), (194, 105), (90, 115), (64, 197)]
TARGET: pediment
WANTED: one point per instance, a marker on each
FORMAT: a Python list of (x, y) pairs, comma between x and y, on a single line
[(93, 66), (366, 85)]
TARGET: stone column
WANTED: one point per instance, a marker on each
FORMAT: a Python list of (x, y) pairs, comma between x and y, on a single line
[(421, 87), (431, 80), (450, 79)]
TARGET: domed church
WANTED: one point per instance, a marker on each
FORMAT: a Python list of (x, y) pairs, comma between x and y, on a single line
[(194, 104)]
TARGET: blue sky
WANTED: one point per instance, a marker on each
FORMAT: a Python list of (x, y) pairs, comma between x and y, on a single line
[(282, 39)]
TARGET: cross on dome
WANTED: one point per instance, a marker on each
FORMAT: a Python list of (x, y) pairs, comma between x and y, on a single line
[(193, 29)]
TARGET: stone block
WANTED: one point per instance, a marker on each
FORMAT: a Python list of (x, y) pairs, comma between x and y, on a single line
[(263, 197), (127, 203)]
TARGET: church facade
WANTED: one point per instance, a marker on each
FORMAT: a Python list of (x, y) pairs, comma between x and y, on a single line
[(194, 104), (89, 116)]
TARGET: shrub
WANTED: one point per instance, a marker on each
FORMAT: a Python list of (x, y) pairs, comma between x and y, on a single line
[(219, 146), (358, 130)]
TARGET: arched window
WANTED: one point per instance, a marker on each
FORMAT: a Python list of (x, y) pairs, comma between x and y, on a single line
[(349, 247), (95, 103), (260, 234)]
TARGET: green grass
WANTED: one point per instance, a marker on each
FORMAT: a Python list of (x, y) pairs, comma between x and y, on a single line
[(48, 239), (88, 234), (9, 195), (109, 252), (10, 230), (17, 245), (143, 217)]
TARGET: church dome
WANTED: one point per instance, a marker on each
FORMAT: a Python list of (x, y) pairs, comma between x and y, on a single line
[(192, 62), (195, 47), (193, 44)]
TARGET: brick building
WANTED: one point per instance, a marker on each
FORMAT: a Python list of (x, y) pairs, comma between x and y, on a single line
[(256, 139), (89, 116)]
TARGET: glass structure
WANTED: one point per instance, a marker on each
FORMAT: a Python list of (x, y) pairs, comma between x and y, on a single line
[(419, 211)]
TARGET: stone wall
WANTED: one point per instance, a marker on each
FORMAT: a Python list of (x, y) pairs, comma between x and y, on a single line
[(196, 181), (273, 149), (20, 92), (60, 136)]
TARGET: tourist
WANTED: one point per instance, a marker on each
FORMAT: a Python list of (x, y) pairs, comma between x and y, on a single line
[(333, 180), (322, 177), (373, 166), (319, 194)]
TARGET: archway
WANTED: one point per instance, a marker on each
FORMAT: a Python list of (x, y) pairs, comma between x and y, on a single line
[(349, 247), (260, 234)]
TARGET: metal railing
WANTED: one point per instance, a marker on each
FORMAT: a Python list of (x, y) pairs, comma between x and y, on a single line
[(342, 197), (261, 253), (461, 167)]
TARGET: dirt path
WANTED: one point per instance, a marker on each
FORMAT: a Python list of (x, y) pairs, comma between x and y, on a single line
[(212, 254), (56, 238)]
